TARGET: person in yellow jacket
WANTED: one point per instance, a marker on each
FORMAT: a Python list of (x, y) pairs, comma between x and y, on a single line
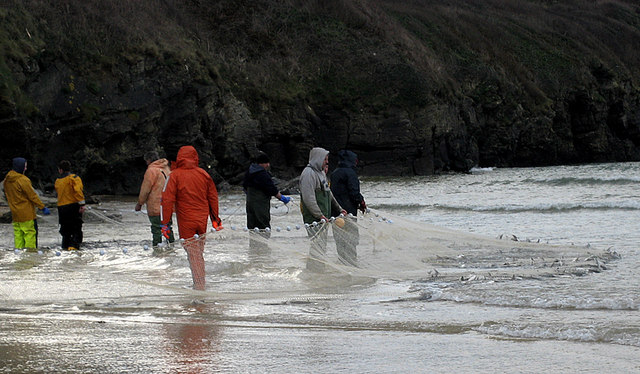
[(23, 200), (151, 193), (70, 206)]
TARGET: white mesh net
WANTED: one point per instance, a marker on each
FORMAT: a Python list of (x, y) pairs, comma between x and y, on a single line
[(378, 245)]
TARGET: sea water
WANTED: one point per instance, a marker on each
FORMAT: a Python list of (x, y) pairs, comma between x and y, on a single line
[(115, 307)]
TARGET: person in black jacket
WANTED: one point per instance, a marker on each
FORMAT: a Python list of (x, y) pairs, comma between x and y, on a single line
[(259, 188), (345, 187)]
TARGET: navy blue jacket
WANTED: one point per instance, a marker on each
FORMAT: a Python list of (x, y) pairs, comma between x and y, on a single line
[(259, 188), (345, 185), (259, 178)]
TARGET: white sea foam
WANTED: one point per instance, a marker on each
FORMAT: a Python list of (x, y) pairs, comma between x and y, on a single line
[(576, 332), (569, 302), (542, 207), (477, 170)]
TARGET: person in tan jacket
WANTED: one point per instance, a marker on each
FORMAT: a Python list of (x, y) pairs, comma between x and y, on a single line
[(151, 192), (23, 200)]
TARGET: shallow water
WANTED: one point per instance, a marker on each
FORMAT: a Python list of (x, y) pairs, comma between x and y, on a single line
[(263, 312)]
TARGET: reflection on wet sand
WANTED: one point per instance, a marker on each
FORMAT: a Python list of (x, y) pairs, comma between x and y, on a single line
[(192, 346)]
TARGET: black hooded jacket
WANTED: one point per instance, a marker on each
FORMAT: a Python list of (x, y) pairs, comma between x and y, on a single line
[(259, 188), (259, 178), (345, 185)]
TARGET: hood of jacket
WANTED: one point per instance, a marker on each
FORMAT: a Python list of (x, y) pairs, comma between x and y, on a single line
[(316, 158), (13, 175), (187, 157), (347, 159), (161, 163), (254, 168)]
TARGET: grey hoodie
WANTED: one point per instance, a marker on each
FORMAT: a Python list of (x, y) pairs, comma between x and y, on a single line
[(314, 179)]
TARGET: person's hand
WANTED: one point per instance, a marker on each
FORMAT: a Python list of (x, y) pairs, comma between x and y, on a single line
[(216, 223), (46, 211), (82, 209), (285, 199), (166, 230), (344, 212), (138, 207), (363, 207), (323, 218)]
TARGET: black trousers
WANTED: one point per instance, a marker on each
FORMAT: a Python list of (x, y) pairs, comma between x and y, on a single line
[(70, 221), (258, 216)]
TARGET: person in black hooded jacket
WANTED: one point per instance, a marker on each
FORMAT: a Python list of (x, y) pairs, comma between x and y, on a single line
[(259, 188), (345, 187)]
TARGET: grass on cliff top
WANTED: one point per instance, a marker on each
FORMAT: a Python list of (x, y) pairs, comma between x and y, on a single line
[(94, 36), (548, 44), (343, 53), (404, 53)]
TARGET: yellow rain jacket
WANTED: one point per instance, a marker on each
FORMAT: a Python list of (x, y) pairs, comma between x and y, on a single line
[(21, 196), (69, 189)]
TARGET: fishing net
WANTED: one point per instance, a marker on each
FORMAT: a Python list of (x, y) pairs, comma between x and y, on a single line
[(381, 245), (291, 260)]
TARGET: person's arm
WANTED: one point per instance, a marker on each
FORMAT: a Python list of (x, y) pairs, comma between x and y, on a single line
[(145, 188), (263, 179), (266, 184), (353, 189), (308, 194), (335, 206), (79, 192), (31, 193), (168, 199), (212, 197)]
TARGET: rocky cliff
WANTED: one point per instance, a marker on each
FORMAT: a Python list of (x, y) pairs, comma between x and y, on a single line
[(413, 87)]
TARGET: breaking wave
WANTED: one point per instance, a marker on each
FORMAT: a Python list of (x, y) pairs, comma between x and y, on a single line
[(585, 181), (543, 208)]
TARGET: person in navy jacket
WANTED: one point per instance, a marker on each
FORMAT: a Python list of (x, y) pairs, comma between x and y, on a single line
[(259, 188), (345, 187)]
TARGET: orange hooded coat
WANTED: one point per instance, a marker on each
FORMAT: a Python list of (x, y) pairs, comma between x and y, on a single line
[(191, 190)]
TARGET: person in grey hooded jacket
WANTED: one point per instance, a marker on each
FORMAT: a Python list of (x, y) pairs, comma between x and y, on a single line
[(317, 202)]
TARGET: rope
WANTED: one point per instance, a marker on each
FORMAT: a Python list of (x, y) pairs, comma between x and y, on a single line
[(103, 216)]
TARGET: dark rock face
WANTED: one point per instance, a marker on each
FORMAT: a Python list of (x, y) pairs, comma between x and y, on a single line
[(401, 87), (104, 127), (105, 131)]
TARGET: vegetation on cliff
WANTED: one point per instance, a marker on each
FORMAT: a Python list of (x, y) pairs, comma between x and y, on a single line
[(413, 86)]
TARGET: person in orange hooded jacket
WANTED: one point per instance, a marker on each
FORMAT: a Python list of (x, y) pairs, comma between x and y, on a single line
[(192, 192), (151, 193)]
